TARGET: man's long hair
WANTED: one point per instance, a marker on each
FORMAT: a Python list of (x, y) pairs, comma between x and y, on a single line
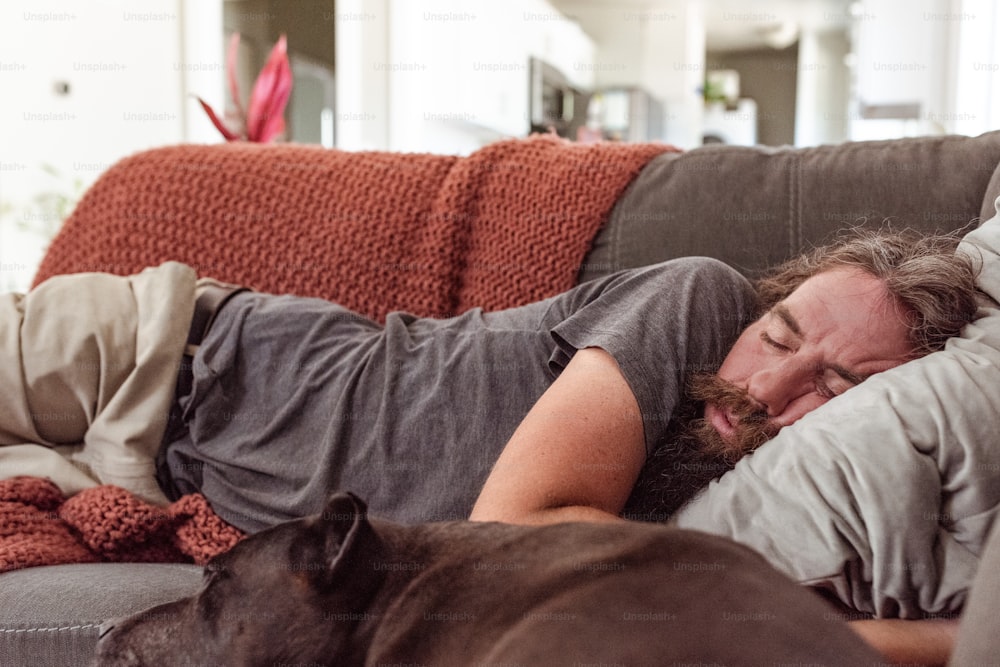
[(933, 285)]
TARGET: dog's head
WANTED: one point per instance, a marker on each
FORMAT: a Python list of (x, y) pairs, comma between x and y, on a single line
[(295, 575)]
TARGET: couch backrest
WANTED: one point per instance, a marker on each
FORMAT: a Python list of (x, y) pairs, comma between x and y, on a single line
[(374, 231), (363, 229), (753, 207)]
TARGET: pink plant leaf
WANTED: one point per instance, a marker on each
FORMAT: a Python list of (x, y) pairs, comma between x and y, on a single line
[(274, 119), (219, 125), (234, 85), (270, 95)]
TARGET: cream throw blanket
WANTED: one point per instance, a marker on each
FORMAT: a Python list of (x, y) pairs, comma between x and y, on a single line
[(95, 363)]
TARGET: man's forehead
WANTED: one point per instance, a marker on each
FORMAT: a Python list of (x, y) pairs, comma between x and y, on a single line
[(847, 295), (851, 312)]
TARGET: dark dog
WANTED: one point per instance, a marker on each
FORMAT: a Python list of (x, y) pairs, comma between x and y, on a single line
[(340, 589)]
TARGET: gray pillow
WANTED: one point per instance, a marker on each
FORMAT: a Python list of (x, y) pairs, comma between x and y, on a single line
[(884, 496)]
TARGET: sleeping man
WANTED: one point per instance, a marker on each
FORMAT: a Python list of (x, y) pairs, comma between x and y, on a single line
[(620, 397)]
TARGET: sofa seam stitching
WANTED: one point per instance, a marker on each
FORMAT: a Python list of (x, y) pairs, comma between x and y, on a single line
[(14, 631)]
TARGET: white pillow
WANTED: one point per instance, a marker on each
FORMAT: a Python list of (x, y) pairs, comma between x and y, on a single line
[(884, 496)]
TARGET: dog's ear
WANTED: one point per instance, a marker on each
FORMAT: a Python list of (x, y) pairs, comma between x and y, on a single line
[(343, 519)]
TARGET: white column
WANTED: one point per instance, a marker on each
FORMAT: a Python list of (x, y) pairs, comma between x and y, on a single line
[(202, 67), (362, 55), (821, 89), (974, 93)]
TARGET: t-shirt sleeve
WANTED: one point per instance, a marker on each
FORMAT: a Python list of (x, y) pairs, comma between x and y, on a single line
[(659, 323)]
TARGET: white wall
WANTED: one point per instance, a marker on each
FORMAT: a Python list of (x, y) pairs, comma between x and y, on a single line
[(202, 68), (84, 84), (974, 90), (822, 94), (681, 89), (903, 54), (657, 45), (362, 43)]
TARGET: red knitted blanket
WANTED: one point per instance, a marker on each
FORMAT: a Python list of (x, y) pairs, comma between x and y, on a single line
[(374, 231), (38, 526)]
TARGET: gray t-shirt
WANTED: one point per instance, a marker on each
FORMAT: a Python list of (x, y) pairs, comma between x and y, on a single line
[(294, 398)]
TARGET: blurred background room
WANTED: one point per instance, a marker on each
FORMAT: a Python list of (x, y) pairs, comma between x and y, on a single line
[(87, 83)]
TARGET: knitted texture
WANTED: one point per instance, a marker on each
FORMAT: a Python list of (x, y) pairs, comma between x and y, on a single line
[(31, 532), (534, 207), (375, 231), (38, 526)]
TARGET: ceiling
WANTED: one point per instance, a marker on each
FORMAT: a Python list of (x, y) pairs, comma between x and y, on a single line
[(737, 25)]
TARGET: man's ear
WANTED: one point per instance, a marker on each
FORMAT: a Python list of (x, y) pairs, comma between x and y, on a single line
[(343, 518)]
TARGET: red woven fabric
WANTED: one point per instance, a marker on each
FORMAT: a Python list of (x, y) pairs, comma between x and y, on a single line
[(534, 207), (374, 231), (104, 524), (31, 532)]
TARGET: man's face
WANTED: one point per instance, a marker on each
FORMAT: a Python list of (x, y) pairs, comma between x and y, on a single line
[(836, 329)]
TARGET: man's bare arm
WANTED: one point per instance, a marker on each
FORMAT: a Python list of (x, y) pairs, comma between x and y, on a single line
[(577, 453), (926, 642)]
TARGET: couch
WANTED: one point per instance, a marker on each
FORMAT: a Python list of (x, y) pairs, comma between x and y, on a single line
[(299, 219)]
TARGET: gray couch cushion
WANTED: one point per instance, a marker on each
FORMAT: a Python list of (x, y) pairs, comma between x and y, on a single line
[(753, 207), (51, 615)]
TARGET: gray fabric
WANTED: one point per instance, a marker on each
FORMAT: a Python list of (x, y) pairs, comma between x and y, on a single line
[(294, 398), (753, 207), (885, 495), (51, 615), (979, 632)]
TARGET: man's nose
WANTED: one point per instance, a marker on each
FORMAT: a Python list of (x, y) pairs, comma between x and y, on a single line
[(777, 385)]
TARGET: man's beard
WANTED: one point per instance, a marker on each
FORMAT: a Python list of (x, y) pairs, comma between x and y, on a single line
[(692, 453), (752, 426)]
